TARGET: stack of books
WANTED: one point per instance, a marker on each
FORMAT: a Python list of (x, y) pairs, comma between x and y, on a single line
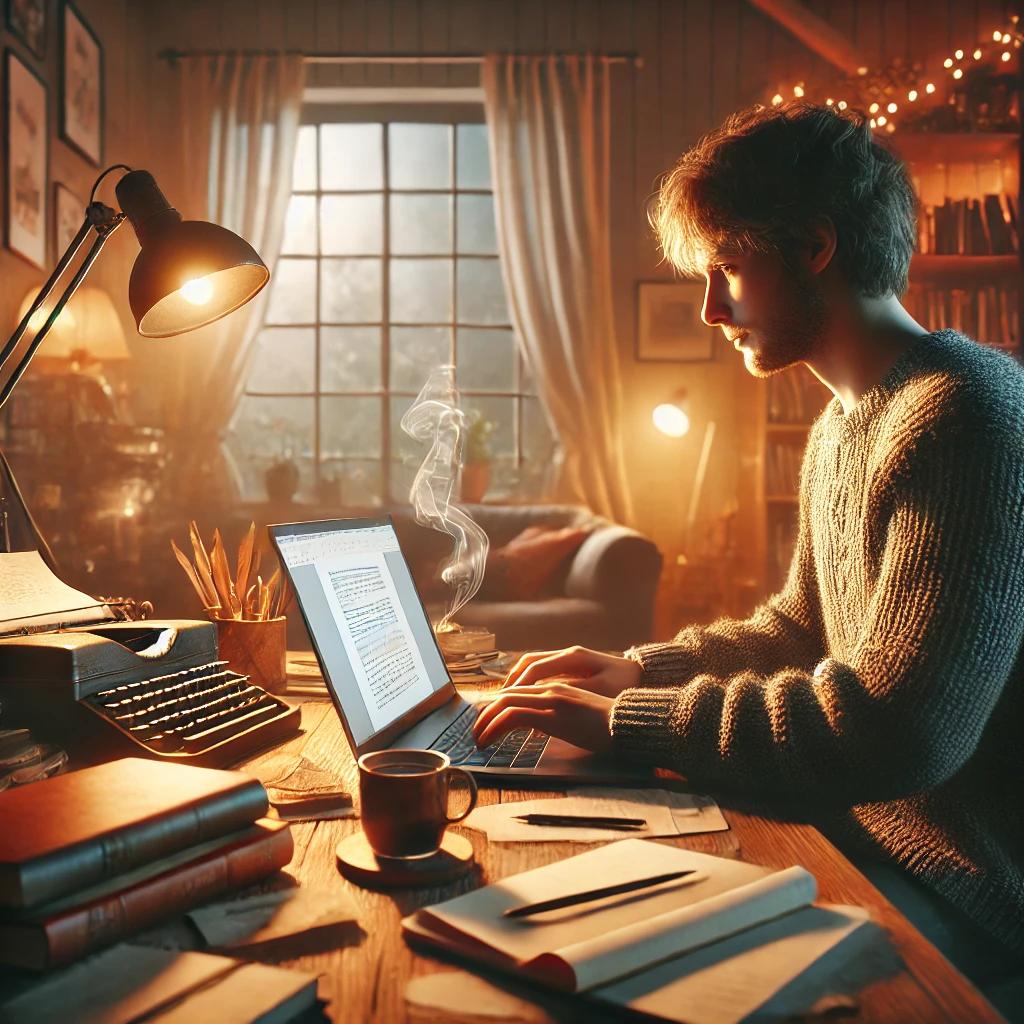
[(93, 856)]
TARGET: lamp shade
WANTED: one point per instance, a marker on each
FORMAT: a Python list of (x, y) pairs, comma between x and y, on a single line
[(89, 323), (189, 273)]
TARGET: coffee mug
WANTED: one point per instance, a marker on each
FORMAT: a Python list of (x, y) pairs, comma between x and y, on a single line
[(403, 796)]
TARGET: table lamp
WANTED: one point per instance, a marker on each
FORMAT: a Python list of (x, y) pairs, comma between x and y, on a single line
[(187, 274)]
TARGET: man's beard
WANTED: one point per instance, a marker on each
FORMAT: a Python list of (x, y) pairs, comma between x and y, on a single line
[(791, 336)]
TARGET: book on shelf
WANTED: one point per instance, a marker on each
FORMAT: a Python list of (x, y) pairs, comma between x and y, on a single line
[(136, 983), (714, 946), (795, 397), (783, 460), (970, 227), (988, 313), (72, 831), (64, 931)]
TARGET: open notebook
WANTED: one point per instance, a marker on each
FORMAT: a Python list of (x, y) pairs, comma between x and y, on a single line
[(709, 949)]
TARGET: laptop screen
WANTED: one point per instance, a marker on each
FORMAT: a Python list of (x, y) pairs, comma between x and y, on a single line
[(375, 644)]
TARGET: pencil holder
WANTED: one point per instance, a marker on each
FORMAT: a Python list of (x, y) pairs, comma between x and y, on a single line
[(256, 649)]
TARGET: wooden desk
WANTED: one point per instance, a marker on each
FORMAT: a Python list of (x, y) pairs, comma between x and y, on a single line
[(366, 982)]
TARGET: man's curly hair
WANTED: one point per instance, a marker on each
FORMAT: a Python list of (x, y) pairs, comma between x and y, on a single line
[(759, 182)]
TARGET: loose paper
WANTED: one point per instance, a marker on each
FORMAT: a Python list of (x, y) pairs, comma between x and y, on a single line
[(456, 995), (666, 813), (31, 596)]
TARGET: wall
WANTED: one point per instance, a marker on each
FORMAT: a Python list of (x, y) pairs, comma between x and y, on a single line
[(701, 60)]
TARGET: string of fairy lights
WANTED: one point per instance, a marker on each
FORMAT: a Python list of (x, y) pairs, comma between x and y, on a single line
[(900, 87)]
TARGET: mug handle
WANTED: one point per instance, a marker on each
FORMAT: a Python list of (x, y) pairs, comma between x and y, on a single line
[(471, 782)]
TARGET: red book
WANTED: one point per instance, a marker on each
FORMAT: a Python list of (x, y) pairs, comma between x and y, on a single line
[(61, 932), (66, 833)]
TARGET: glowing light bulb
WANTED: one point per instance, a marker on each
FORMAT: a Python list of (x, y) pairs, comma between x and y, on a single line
[(997, 36), (873, 123), (1005, 55), (776, 100), (873, 109), (798, 90), (890, 127), (1005, 37), (198, 291), (948, 62), (912, 95), (958, 74), (930, 88), (881, 119), (977, 54), (841, 104), (959, 54), (829, 102), (670, 419), (862, 71), (892, 108)]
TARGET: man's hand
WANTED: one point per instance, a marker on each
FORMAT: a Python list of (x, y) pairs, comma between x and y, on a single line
[(600, 673), (558, 709)]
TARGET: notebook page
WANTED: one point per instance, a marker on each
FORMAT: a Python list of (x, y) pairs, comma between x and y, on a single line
[(651, 940), (31, 596), (478, 914)]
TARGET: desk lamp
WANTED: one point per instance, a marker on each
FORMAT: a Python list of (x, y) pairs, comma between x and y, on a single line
[(188, 273)]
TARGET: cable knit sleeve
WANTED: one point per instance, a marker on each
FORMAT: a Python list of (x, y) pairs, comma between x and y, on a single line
[(936, 584), (784, 631)]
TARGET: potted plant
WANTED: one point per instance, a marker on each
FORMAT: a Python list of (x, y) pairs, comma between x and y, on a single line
[(476, 472)]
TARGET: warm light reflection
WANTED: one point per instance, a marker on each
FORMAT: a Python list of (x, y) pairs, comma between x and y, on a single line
[(198, 292), (671, 420)]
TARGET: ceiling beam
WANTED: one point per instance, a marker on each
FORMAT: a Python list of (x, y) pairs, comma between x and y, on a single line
[(814, 32)]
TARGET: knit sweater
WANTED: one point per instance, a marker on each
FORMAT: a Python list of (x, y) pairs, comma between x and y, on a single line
[(881, 688)]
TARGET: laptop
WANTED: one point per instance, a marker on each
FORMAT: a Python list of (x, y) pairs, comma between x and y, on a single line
[(382, 665)]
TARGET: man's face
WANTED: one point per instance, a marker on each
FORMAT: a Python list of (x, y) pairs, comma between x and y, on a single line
[(772, 313)]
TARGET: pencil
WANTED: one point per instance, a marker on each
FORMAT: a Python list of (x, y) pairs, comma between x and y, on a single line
[(583, 821), (574, 899)]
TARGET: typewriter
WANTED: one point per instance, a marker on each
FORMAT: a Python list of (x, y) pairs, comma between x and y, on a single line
[(103, 689)]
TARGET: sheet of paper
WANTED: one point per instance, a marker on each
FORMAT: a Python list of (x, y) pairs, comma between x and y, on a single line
[(31, 596), (456, 994), (666, 813), (265, 917)]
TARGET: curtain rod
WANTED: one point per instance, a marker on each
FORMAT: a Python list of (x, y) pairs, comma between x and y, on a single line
[(390, 58)]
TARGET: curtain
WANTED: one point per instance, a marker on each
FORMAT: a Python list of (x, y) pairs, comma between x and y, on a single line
[(239, 127), (549, 131)]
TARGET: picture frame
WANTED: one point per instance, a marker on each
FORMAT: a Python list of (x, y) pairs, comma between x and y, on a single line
[(81, 85), (669, 328), (68, 214), (26, 19), (26, 160)]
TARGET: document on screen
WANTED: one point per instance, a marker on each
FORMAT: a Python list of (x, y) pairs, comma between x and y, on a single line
[(376, 633)]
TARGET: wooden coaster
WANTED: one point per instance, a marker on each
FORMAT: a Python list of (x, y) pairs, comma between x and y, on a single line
[(358, 863)]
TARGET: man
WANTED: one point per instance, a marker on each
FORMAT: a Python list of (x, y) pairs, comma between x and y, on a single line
[(881, 688)]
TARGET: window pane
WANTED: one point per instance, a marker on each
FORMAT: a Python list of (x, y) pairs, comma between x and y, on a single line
[(350, 291), (284, 360), (487, 359), (421, 224), (501, 412), (477, 232), (421, 291), (420, 155), (300, 226), (415, 351), (304, 167), (473, 162), (538, 441), (265, 431), (351, 224), (351, 156), (293, 293), (350, 428), (349, 358), (351, 483), (481, 293), (407, 454)]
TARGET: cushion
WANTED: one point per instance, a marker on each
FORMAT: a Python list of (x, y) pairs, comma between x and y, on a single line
[(529, 564)]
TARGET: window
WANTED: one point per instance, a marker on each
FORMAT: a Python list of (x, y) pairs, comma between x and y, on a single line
[(388, 269)]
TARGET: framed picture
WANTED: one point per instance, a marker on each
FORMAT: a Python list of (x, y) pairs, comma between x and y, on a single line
[(81, 98), (27, 20), (27, 153), (669, 327), (68, 214)]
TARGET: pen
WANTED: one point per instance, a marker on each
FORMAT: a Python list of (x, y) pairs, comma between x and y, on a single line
[(583, 821), (594, 894)]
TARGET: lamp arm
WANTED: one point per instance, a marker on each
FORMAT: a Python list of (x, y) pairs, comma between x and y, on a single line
[(104, 232)]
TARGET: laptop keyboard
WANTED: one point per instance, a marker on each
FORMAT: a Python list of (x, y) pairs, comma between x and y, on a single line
[(519, 749)]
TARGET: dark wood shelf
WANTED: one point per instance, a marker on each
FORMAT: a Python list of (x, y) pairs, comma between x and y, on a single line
[(955, 147), (928, 268)]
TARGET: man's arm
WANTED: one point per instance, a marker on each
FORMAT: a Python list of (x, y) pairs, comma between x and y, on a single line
[(908, 707)]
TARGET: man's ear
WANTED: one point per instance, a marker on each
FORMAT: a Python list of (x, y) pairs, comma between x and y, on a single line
[(821, 244)]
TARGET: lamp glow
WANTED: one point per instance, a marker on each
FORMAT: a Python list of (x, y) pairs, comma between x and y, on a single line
[(198, 292), (670, 419)]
